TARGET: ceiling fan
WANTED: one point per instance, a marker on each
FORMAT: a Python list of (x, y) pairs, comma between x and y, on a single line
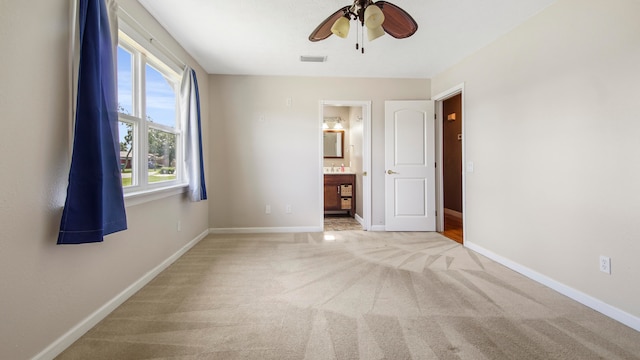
[(378, 17)]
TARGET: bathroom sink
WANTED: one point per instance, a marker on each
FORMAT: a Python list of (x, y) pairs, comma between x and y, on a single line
[(327, 171)]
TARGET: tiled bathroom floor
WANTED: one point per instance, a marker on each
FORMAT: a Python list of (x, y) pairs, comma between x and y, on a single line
[(340, 223)]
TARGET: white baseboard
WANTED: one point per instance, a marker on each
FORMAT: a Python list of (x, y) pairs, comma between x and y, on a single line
[(265, 230), (378, 228), (359, 219), (587, 300), (92, 320)]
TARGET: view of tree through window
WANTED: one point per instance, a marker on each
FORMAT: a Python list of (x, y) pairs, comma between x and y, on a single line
[(152, 129), (126, 152), (161, 110)]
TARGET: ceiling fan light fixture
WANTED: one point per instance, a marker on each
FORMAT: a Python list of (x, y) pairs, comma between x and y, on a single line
[(381, 17), (374, 33), (373, 16), (341, 27)]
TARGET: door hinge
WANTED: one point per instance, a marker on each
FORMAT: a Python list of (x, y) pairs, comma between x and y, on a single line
[(435, 164), (435, 116), (436, 212)]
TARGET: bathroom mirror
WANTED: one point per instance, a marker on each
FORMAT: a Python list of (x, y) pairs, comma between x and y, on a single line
[(333, 144)]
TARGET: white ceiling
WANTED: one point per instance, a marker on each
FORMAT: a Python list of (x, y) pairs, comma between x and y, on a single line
[(267, 37)]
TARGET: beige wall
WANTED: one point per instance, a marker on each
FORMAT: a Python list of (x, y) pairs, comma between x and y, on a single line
[(46, 289), (252, 130), (552, 129)]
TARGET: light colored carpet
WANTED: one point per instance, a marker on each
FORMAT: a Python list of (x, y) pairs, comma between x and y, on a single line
[(364, 295)]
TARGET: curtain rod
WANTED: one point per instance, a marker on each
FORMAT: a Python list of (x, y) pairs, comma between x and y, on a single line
[(149, 36)]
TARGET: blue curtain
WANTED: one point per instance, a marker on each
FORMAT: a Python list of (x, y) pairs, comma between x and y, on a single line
[(190, 114), (94, 205)]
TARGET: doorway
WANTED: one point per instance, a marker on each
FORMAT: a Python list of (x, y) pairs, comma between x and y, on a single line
[(355, 119), (451, 174)]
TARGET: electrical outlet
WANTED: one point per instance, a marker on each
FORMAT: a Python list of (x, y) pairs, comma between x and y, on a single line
[(179, 226), (605, 264), (287, 209), (289, 101), (267, 209), (470, 166)]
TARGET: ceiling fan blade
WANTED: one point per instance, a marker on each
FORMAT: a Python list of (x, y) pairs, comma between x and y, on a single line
[(323, 30), (397, 22)]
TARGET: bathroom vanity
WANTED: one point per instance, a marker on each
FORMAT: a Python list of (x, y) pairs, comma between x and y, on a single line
[(340, 193)]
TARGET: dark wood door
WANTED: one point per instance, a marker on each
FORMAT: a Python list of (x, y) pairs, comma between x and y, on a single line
[(331, 196)]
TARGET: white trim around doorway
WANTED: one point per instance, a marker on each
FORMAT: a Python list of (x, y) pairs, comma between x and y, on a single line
[(439, 99)]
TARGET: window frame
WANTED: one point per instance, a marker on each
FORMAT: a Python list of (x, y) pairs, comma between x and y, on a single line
[(141, 190)]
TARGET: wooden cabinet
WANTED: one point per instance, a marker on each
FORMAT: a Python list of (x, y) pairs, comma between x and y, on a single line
[(340, 193)]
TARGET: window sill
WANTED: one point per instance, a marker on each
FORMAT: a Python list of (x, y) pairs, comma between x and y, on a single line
[(141, 197)]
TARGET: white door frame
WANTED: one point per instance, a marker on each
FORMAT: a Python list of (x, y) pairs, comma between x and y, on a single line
[(366, 157), (439, 99)]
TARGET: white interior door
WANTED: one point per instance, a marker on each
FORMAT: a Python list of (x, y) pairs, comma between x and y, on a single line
[(410, 166)]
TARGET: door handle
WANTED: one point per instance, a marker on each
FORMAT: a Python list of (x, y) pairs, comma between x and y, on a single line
[(391, 172)]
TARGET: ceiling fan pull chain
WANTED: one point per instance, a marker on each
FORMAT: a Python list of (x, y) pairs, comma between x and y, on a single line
[(357, 41), (362, 31)]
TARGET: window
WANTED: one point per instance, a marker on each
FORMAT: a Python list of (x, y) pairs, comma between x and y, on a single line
[(150, 137)]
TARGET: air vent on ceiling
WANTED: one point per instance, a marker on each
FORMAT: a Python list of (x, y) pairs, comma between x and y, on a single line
[(313, 58)]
